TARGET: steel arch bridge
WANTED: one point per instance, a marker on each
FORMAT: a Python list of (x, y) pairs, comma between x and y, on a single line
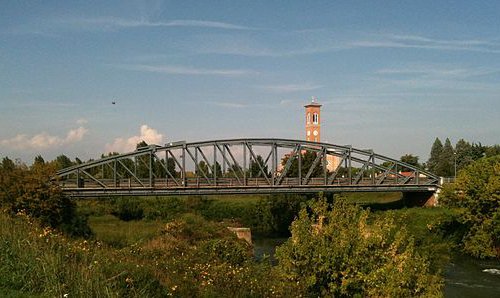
[(235, 166)]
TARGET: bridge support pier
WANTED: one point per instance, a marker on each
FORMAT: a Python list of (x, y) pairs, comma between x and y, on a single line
[(420, 199)]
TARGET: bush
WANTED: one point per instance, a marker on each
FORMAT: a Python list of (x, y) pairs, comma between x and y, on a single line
[(476, 194), (129, 209), (226, 251), (273, 215), (334, 251), (30, 191)]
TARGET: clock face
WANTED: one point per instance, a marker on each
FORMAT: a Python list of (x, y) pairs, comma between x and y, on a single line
[(315, 132)]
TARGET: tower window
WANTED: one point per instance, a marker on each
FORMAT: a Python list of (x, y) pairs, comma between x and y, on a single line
[(308, 118), (315, 118)]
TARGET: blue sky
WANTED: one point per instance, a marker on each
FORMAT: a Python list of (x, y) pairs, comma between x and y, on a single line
[(391, 75)]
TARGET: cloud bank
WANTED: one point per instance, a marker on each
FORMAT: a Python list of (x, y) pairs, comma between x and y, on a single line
[(44, 140), (147, 134)]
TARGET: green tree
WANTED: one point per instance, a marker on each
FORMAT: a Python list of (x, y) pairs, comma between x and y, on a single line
[(274, 214), (334, 251), (202, 169), (7, 164), (477, 194), (254, 168), (62, 162), (159, 167), (436, 150), (307, 161), (492, 150), (411, 160), (463, 154), (29, 191), (234, 171), (38, 160), (445, 166)]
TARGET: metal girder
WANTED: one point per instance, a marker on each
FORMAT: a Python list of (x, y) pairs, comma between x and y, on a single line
[(165, 166), (197, 165), (256, 160), (335, 172), (289, 164), (386, 172), (235, 163), (312, 167), (366, 165), (225, 160), (95, 179), (130, 172), (383, 170)]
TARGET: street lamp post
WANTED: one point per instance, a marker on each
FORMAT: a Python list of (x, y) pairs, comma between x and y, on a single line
[(455, 155)]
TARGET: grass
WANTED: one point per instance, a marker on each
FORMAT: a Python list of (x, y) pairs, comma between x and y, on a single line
[(373, 197), (179, 261), (119, 234), (36, 261), (137, 258)]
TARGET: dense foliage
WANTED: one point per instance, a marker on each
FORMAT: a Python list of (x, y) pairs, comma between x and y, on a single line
[(445, 160), (477, 194), (335, 251), (187, 257), (30, 191)]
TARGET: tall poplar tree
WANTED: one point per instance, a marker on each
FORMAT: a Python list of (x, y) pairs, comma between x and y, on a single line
[(436, 150), (446, 162), (464, 155)]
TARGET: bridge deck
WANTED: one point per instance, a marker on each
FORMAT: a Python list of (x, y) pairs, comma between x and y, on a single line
[(196, 186)]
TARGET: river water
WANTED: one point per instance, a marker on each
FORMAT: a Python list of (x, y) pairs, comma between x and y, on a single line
[(464, 276), (468, 277)]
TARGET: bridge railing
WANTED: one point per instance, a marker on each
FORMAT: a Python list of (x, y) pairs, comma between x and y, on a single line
[(162, 183)]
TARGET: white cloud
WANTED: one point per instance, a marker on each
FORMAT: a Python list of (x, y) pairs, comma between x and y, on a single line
[(109, 22), (287, 88), (147, 134), (229, 104), (421, 42), (296, 43), (75, 135), (438, 71), (181, 70), (44, 140), (51, 27), (82, 121)]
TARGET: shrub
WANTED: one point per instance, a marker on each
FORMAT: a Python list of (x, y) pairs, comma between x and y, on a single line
[(128, 209), (334, 251), (476, 193), (273, 215), (30, 191)]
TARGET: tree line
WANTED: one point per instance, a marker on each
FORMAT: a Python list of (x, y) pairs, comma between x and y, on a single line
[(446, 160)]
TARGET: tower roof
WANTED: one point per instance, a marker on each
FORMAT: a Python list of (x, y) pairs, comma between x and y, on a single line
[(313, 103)]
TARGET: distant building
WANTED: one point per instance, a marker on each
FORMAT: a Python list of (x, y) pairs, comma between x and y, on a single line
[(313, 130), (313, 123)]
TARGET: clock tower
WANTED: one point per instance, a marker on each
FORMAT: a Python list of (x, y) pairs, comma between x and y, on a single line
[(313, 131), (313, 126)]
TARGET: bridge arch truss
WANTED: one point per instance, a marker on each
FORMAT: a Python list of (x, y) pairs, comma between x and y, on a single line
[(243, 166)]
